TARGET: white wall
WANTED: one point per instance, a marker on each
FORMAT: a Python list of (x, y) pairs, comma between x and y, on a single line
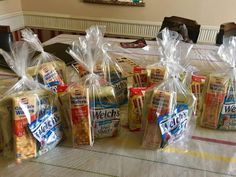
[(206, 12), (9, 6)]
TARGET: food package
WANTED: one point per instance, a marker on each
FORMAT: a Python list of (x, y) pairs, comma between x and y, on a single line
[(219, 94), (135, 107), (169, 105), (216, 88), (140, 77), (74, 101), (44, 68), (121, 90), (103, 101), (29, 115), (167, 110), (158, 74), (99, 70), (107, 68), (105, 112), (197, 85)]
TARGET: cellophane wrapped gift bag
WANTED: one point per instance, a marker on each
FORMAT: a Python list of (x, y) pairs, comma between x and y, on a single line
[(45, 68), (219, 92), (29, 115), (92, 107), (169, 105)]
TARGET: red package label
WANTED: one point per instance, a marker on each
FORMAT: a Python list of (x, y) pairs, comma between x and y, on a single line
[(137, 91), (61, 88), (79, 113), (20, 126), (139, 69), (198, 78), (214, 98)]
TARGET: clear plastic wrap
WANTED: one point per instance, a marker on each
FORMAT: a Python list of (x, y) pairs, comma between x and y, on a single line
[(108, 70), (98, 91), (168, 105), (207, 153), (74, 100), (29, 115), (45, 68), (219, 94)]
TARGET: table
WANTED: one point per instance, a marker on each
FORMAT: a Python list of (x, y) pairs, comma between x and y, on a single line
[(206, 153)]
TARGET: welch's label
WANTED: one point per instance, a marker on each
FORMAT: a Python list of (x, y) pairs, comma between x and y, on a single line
[(47, 130), (227, 119), (229, 109), (173, 126), (43, 125), (106, 113), (106, 122)]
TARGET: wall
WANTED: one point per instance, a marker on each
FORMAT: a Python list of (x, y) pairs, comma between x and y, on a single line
[(9, 6), (205, 12), (11, 14)]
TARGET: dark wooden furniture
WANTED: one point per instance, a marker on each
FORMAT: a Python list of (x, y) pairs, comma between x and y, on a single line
[(226, 30), (174, 22), (6, 39)]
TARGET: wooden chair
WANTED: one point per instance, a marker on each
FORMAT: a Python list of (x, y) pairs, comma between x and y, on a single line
[(226, 30), (174, 22), (6, 39)]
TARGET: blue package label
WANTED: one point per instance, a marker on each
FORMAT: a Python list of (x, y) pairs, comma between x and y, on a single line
[(47, 127), (106, 128), (227, 119), (173, 126), (106, 121)]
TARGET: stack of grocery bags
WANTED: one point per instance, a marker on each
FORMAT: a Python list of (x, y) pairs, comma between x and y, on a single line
[(43, 105)]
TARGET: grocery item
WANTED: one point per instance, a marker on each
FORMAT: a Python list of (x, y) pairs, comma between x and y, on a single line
[(197, 85), (140, 77), (157, 75), (25, 108), (75, 103), (157, 103), (168, 104), (105, 112), (45, 68), (29, 116), (213, 100), (121, 90), (89, 52), (135, 108)]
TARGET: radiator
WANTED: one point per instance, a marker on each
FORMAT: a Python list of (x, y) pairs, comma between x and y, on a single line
[(113, 26)]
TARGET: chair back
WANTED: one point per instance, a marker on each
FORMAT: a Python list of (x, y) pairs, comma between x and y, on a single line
[(174, 23), (226, 30), (6, 39)]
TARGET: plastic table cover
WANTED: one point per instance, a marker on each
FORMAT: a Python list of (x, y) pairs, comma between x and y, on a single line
[(206, 153)]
